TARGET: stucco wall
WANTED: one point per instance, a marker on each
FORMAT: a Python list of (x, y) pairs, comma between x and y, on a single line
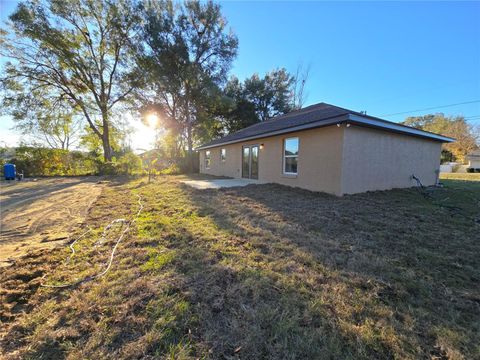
[(381, 160), (319, 160), (338, 160)]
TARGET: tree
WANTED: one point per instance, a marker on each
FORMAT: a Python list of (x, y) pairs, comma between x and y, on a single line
[(238, 111), (298, 89), (272, 94), (119, 144), (452, 126), (47, 120), (77, 50), (186, 53), (261, 98)]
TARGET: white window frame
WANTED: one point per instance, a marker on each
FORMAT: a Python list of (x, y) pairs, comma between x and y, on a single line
[(208, 159), (289, 156), (223, 154)]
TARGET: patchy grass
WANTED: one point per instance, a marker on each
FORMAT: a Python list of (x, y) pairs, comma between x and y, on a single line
[(259, 272)]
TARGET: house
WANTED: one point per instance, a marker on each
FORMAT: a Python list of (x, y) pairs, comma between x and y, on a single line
[(474, 159), (327, 148)]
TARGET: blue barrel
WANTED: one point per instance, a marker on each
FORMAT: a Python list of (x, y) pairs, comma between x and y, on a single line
[(9, 171)]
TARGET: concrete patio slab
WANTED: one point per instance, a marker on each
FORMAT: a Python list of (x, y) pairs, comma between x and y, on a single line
[(218, 183)]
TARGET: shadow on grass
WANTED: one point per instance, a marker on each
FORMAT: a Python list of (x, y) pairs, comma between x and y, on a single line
[(257, 292), (397, 271)]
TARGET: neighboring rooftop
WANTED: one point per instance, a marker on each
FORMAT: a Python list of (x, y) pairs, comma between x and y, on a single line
[(313, 116)]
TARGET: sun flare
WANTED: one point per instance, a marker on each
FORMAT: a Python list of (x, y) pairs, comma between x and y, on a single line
[(143, 133), (152, 120)]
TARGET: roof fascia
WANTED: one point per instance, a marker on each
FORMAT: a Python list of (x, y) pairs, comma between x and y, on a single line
[(398, 128), (387, 125), (316, 124)]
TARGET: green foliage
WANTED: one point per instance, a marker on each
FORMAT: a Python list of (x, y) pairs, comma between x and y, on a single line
[(78, 52), (473, 170), (466, 140), (130, 163), (126, 164), (186, 53), (34, 161), (446, 156), (240, 111), (271, 94), (258, 99), (173, 169), (44, 117)]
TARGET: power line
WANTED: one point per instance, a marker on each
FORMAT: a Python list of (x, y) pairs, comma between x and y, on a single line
[(432, 108)]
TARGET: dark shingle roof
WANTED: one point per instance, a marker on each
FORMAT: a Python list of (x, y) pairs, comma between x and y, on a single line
[(318, 115)]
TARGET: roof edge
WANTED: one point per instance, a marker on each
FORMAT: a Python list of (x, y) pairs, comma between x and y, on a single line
[(366, 120), (388, 125), (312, 125)]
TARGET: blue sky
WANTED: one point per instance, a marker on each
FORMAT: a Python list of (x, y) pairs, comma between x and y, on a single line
[(382, 57)]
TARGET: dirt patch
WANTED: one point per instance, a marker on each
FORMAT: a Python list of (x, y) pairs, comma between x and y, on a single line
[(41, 214)]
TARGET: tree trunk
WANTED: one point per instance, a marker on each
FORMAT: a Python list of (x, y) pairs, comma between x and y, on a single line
[(107, 150), (190, 147), (189, 132)]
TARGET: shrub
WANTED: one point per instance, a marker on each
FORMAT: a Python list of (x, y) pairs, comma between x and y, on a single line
[(107, 168), (35, 161), (129, 164), (173, 169), (456, 167), (470, 170), (477, 170)]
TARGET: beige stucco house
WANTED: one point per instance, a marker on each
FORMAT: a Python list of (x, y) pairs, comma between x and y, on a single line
[(327, 148)]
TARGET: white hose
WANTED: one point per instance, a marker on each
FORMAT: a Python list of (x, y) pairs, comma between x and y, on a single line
[(89, 278), (73, 243)]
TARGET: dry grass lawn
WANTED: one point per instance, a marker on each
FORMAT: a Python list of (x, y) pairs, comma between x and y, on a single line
[(260, 272), (460, 176)]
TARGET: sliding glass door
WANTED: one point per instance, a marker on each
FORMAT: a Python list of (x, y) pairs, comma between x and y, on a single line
[(246, 162), (250, 162)]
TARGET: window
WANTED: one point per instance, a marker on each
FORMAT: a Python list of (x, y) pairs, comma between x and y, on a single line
[(207, 159), (290, 156), (223, 154)]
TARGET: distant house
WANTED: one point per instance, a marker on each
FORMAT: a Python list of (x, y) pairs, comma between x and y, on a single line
[(327, 148), (474, 159)]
